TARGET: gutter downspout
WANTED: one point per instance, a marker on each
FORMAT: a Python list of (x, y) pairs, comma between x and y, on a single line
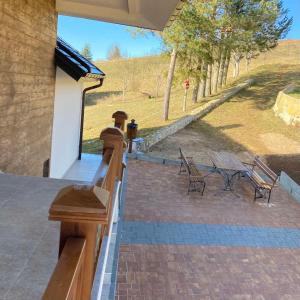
[(82, 113)]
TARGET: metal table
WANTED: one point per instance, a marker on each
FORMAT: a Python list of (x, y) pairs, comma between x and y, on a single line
[(228, 165)]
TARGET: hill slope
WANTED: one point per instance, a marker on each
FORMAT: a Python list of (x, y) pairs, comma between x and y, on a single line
[(128, 83)]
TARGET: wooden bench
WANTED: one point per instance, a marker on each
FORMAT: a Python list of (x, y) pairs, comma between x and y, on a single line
[(262, 186), (196, 178)]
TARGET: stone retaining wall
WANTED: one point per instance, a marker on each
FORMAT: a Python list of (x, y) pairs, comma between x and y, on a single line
[(198, 113), (290, 186), (287, 107)]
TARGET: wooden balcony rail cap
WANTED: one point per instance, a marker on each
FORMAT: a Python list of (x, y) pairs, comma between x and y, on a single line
[(111, 137), (120, 118), (111, 133), (79, 203)]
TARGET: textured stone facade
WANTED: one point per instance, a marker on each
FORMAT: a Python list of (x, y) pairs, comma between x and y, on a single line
[(27, 81)]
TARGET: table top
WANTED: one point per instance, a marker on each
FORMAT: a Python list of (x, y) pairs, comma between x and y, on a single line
[(226, 160)]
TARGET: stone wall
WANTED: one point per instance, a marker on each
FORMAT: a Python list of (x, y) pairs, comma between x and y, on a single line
[(27, 80), (196, 114), (290, 186), (287, 107)]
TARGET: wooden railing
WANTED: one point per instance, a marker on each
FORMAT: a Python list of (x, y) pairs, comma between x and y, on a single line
[(85, 213)]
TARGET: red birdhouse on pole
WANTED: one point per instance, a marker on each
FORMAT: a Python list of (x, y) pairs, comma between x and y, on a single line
[(186, 84)]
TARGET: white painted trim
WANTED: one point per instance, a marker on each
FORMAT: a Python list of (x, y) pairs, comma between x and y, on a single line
[(154, 14), (66, 124), (107, 244)]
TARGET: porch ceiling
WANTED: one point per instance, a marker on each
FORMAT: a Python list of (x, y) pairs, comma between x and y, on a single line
[(152, 14)]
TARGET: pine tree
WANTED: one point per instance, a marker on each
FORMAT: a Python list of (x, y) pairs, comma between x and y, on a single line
[(86, 52)]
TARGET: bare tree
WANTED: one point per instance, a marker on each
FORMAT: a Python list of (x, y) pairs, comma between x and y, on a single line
[(114, 52), (169, 84)]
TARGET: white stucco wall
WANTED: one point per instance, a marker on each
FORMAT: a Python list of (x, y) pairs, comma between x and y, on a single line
[(66, 124)]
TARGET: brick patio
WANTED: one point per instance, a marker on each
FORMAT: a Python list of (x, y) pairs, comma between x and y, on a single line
[(219, 246)]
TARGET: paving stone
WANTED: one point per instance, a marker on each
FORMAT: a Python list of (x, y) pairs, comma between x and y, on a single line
[(219, 246)]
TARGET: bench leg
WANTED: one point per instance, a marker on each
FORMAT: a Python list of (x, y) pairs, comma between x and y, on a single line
[(258, 194), (204, 184), (180, 170), (189, 188), (269, 196)]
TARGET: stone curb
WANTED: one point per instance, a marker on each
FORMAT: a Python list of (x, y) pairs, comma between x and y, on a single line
[(163, 161), (196, 114)]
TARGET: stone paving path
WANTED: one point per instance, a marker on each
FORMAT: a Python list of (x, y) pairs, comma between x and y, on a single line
[(219, 246)]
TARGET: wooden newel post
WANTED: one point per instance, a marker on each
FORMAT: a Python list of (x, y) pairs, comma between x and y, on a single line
[(120, 118), (80, 212), (113, 138), (81, 209), (132, 128)]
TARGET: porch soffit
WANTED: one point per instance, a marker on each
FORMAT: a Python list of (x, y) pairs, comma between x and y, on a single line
[(152, 14)]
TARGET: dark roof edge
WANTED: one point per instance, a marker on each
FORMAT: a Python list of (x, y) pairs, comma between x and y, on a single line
[(75, 64)]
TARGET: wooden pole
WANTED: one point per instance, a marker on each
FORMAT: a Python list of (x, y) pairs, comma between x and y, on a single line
[(169, 84), (184, 100), (120, 118)]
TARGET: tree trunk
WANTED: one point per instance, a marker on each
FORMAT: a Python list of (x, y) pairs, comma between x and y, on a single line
[(248, 60), (202, 87), (226, 67), (184, 100), (169, 84), (157, 86), (208, 80), (195, 91), (221, 69), (237, 63), (216, 68)]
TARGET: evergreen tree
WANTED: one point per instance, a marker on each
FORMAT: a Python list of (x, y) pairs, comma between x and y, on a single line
[(86, 52)]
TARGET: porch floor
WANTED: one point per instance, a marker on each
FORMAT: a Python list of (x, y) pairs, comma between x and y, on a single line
[(84, 169), (219, 246), (28, 241)]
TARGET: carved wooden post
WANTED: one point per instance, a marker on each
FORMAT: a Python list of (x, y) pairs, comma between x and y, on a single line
[(82, 208), (114, 139), (80, 212), (120, 118), (131, 133)]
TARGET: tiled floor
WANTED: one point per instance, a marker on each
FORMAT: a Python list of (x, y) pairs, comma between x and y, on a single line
[(28, 241), (219, 246), (84, 169)]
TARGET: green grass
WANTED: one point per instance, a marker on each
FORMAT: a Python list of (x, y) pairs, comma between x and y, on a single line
[(251, 111), (148, 74), (247, 124), (295, 93)]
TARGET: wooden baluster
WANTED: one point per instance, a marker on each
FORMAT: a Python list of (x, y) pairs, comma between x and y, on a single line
[(120, 118)]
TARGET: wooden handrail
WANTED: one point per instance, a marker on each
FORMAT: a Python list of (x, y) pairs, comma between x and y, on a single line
[(66, 283), (85, 212)]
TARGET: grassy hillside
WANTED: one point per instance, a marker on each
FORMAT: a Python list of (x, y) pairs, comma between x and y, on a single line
[(129, 82), (245, 125)]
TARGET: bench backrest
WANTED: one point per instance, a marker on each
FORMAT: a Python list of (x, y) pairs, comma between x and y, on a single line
[(266, 170), (184, 161)]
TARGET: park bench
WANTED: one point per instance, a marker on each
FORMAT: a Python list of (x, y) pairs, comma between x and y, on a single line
[(264, 181), (195, 177)]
